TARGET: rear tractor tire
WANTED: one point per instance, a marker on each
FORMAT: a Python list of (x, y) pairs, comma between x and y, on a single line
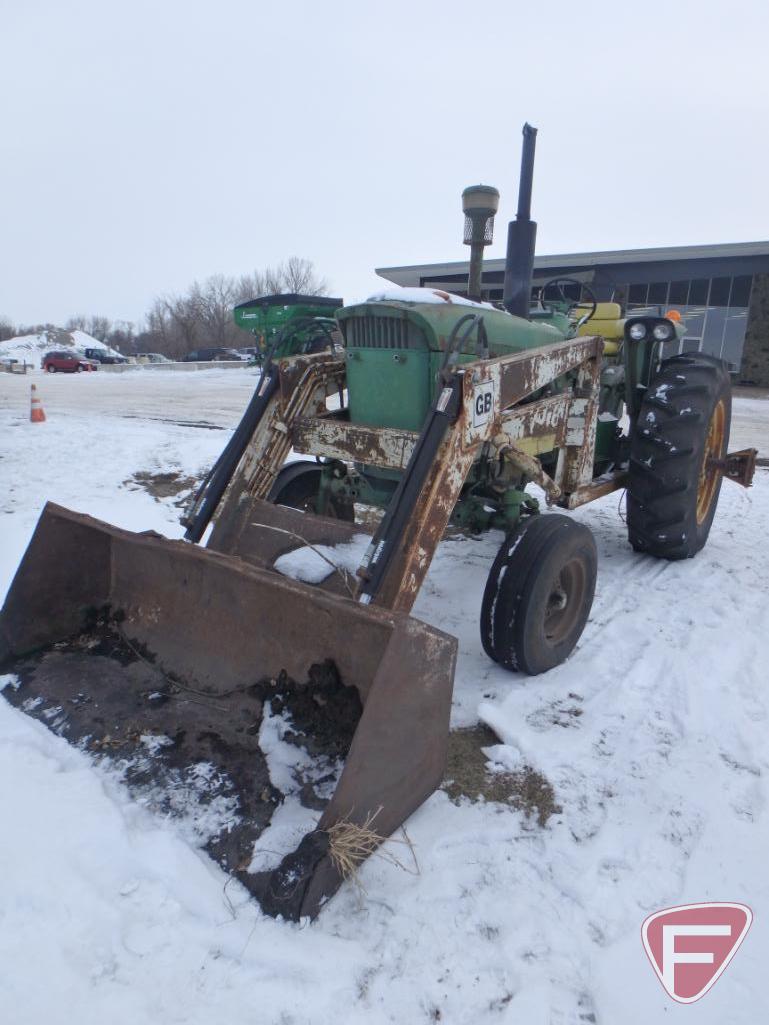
[(539, 593), (298, 486), (681, 431)]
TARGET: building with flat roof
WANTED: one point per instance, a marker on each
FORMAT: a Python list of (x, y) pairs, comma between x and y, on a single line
[(721, 291)]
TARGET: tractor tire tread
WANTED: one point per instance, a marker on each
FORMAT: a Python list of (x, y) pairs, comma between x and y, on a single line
[(512, 633), (663, 484)]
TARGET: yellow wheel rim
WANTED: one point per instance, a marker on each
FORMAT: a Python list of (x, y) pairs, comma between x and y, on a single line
[(714, 449)]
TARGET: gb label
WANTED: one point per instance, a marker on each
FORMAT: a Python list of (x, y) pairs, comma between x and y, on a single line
[(483, 403)]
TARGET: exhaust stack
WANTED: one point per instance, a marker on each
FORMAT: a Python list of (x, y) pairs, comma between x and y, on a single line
[(521, 236)]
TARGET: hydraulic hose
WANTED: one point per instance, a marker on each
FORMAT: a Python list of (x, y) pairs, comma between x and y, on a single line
[(216, 482), (212, 489)]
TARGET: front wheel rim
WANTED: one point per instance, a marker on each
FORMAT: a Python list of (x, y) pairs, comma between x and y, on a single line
[(714, 450), (565, 602)]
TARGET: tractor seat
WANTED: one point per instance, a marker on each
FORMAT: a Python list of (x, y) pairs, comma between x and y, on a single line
[(607, 321)]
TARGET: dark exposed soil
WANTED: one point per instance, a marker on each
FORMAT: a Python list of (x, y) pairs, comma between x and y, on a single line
[(202, 424), (162, 485), (324, 714), (467, 776), (181, 749)]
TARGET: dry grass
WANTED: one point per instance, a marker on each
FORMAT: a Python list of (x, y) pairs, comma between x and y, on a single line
[(467, 776), (350, 844)]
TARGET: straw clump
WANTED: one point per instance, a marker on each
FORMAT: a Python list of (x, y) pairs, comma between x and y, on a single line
[(350, 844)]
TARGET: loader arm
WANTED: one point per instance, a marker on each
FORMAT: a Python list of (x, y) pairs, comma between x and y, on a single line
[(481, 404), (302, 385)]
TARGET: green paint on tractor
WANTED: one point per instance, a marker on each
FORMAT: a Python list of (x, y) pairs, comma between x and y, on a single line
[(395, 350)]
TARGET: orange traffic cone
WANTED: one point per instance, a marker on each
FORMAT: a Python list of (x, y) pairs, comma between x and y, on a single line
[(36, 414)]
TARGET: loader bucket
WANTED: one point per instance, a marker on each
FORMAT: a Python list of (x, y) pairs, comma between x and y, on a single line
[(212, 626)]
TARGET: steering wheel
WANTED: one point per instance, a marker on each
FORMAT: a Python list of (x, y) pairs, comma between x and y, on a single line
[(558, 284)]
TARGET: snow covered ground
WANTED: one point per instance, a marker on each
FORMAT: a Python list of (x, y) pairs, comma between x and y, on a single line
[(653, 736)]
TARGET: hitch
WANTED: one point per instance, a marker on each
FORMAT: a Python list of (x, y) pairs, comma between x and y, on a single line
[(737, 466)]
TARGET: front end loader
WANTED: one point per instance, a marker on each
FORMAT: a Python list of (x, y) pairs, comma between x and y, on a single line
[(424, 411)]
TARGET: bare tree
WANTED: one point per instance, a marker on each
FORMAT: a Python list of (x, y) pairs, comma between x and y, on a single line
[(213, 302), (183, 323), (201, 316), (250, 286), (296, 275), (299, 276), (76, 323), (7, 329), (121, 337)]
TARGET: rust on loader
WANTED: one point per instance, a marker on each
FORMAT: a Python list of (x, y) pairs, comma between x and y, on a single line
[(219, 624)]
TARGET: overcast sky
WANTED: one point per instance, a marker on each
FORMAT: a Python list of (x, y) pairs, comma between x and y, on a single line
[(147, 144)]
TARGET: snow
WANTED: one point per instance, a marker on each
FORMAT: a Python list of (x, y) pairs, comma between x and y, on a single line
[(313, 563), (653, 735), (434, 296), (31, 348), (84, 457), (292, 820)]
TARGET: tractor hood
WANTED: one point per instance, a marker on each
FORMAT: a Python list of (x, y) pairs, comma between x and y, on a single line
[(395, 348), (423, 318)]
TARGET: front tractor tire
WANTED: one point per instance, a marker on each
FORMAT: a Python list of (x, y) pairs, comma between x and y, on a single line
[(539, 594), (682, 431)]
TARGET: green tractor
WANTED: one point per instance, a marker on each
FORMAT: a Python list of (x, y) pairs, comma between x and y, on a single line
[(436, 411), (442, 411)]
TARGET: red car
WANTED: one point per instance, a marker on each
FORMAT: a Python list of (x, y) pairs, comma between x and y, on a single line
[(67, 362)]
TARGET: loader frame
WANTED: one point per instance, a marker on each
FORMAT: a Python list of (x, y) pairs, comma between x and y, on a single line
[(485, 403)]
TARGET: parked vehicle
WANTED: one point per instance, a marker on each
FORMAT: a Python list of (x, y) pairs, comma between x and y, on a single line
[(67, 362), (102, 356), (152, 357), (253, 355), (213, 355)]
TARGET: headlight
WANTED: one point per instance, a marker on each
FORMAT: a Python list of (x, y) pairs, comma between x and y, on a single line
[(663, 332), (637, 332)]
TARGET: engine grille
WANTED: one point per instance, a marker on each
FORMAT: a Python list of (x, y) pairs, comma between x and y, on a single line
[(382, 333)]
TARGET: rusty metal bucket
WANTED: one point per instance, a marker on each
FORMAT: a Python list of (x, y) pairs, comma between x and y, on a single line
[(218, 623)]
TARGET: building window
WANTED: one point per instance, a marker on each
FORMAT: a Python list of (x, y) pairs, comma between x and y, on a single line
[(698, 292), (740, 294), (679, 293), (714, 312), (719, 292)]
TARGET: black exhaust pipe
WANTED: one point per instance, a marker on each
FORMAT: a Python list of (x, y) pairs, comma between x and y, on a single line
[(521, 236)]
